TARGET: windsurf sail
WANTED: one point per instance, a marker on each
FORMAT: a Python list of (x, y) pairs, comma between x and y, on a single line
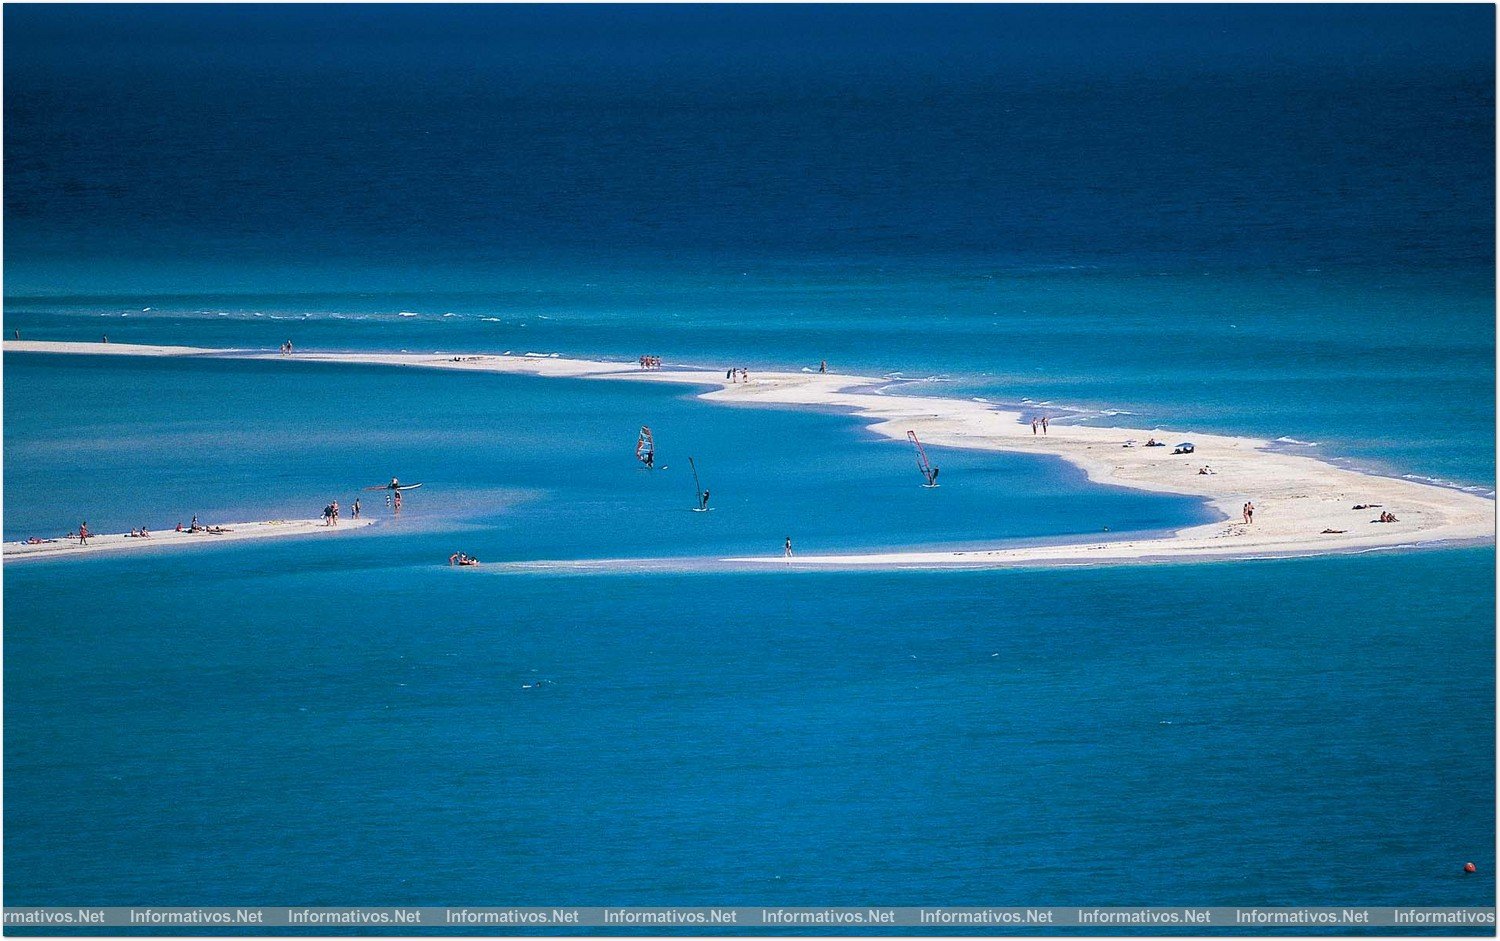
[(645, 447), (929, 473), (697, 487)]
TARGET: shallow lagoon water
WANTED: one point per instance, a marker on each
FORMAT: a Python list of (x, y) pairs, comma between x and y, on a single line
[(525, 468)]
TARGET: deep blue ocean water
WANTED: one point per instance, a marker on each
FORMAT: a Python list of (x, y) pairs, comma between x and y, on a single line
[(1270, 221)]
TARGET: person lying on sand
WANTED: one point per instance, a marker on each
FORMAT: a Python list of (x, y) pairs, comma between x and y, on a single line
[(217, 530), (1367, 506), (1328, 531)]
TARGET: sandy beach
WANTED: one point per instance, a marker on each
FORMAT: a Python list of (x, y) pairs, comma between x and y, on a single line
[(227, 533), (1303, 505)]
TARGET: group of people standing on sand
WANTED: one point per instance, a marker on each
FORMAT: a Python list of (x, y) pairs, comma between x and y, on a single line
[(1248, 512), (738, 374), (650, 362), (331, 511), (1041, 421), (286, 348)]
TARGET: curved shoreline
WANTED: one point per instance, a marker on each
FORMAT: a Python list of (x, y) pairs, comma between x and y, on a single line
[(1297, 497), (168, 538)]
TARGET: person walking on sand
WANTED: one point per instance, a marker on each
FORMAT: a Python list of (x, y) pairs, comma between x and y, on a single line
[(1245, 513), (789, 547), (1033, 425), (356, 507), (83, 533), (1250, 512), (1044, 424), (823, 366)]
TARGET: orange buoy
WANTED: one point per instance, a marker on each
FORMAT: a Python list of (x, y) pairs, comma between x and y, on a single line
[(1470, 867)]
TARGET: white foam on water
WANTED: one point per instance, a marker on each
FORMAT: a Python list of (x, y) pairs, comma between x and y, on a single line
[(407, 313), (1450, 484), (1288, 440)]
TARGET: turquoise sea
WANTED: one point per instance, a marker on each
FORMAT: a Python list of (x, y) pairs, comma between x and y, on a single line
[(1265, 221)]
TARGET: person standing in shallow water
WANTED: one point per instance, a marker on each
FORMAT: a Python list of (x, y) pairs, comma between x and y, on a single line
[(356, 507), (789, 547), (396, 503)]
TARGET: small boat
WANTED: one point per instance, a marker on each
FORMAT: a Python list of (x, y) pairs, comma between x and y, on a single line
[(394, 485)]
